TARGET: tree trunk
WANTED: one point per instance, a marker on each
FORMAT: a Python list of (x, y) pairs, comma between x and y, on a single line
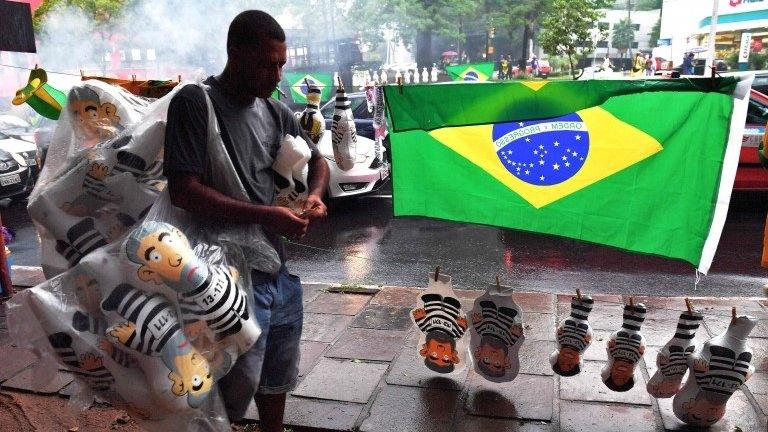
[(573, 70), (526, 38), (424, 48)]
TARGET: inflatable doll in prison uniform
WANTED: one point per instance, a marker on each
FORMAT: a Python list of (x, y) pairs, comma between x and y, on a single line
[(379, 126), (150, 328), (210, 298), (291, 173), (672, 361), (625, 348), (343, 132), (720, 368), (310, 120), (496, 337), (104, 369), (439, 317), (574, 335)]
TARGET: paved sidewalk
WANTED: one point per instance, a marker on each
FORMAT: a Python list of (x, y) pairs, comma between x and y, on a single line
[(359, 370)]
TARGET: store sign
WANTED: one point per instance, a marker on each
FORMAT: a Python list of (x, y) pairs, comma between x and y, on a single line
[(744, 49), (664, 42), (738, 3)]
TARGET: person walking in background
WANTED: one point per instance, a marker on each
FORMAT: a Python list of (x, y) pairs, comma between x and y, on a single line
[(649, 66), (638, 65), (688, 64), (535, 66), (607, 66), (503, 68)]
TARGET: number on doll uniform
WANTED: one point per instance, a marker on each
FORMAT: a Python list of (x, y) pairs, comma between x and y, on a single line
[(9, 180)]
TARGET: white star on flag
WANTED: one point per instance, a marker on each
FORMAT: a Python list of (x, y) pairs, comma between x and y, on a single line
[(567, 164), (575, 154), (555, 167), (578, 137), (565, 158), (521, 124), (557, 143), (541, 161), (527, 172), (541, 178), (535, 152), (527, 140)]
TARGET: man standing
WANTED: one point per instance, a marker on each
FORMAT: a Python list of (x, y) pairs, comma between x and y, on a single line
[(252, 127)]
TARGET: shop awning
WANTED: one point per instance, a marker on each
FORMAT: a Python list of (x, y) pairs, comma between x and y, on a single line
[(736, 21)]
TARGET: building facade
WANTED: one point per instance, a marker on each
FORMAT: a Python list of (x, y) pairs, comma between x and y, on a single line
[(643, 22)]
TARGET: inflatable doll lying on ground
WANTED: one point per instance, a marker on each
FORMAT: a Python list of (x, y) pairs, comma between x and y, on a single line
[(149, 324)]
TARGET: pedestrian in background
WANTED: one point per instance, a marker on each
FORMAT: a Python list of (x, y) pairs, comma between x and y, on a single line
[(688, 64), (535, 66), (648, 65), (638, 65)]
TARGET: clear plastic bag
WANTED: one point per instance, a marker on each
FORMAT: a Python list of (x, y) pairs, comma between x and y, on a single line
[(150, 314)]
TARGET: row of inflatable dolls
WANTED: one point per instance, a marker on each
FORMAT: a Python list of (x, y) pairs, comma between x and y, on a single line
[(717, 369)]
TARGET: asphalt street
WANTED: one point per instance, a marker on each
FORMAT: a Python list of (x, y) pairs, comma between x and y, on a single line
[(361, 243)]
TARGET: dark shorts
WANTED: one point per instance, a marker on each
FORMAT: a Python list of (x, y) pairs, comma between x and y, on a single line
[(271, 366)]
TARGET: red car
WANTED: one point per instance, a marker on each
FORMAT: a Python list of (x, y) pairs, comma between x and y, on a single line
[(750, 174)]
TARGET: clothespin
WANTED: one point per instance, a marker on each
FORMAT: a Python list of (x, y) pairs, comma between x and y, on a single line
[(179, 77), (632, 303), (400, 84), (688, 305), (35, 65), (437, 273), (82, 75), (733, 314), (341, 86), (498, 285), (133, 78), (578, 294)]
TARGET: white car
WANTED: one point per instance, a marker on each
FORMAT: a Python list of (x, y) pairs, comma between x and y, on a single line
[(363, 178), (18, 167)]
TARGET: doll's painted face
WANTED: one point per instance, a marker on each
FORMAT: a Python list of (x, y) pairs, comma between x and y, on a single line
[(492, 359), (622, 372), (87, 293), (166, 252), (192, 375), (568, 358), (703, 412), (439, 352)]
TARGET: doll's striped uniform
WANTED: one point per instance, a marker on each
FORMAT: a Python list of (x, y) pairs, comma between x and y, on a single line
[(677, 363), (442, 314), (218, 301), (628, 341), (727, 371), (497, 322), (82, 239), (574, 331), (98, 379)]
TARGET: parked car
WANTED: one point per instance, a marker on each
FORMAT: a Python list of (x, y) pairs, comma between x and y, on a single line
[(365, 176), (761, 81), (18, 167), (750, 174), (16, 127)]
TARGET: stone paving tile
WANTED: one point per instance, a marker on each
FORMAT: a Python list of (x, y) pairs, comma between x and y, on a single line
[(739, 412), (397, 296), (13, 360), (759, 353), (539, 326), (534, 357), (722, 306), (382, 317), (324, 327), (310, 352), (339, 304), (367, 344), (409, 370), (341, 380), (659, 332), (26, 276), (469, 423), (762, 402), (535, 302), (5, 338), (70, 389), (566, 298), (310, 292), (413, 338), (411, 409), (316, 414), (596, 350), (28, 380), (582, 417), (527, 397), (758, 384), (588, 386)]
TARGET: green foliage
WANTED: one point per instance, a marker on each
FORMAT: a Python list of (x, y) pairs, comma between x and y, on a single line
[(645, 5), (655, 33), (100, 11), (623, 35), (757, 61), (567, 28), (513, 15)]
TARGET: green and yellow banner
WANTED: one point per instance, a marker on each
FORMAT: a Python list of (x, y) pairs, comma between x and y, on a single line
[(639, 165), (299, 89), (471, 71)]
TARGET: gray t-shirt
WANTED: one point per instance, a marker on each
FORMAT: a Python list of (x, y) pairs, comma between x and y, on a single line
[(252, 134)]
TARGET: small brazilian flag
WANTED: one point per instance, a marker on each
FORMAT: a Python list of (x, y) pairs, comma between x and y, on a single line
[(471, 71), (299, 90), (44, 99), (646, 166)]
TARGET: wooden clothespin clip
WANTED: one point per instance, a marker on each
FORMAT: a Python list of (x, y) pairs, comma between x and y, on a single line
[(498, 285), (133, 78), (578, 294), (632, 303), (306, 83), (82, 75), (733, 314), (688, 305), (341, 86), (400, 81), (179, 78), (437, 273), (35, 65)]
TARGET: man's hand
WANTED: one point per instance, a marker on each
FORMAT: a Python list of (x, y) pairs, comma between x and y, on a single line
[(314, 208), (285, 222)]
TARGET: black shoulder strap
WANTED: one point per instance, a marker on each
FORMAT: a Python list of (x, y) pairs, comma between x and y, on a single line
[(227, 139)]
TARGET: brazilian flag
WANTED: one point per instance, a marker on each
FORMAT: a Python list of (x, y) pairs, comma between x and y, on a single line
[(471, 71), (44, 99), (299, 89), (643, 165)]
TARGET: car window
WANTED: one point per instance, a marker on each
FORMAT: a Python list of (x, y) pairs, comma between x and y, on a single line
[(757, 113), (3, 136), (360, 109)]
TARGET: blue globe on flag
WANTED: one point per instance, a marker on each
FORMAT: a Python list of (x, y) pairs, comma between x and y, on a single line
[(542, 152), (471, 76), (303, 88)]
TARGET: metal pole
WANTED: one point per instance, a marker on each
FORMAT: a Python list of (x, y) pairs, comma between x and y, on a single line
[(5, 272), (712, 35)]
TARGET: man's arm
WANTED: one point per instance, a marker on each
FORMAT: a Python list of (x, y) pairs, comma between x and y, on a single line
[(189, 193), (318, 184)]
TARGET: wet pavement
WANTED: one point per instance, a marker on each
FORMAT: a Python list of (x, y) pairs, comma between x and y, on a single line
[(361, 243)]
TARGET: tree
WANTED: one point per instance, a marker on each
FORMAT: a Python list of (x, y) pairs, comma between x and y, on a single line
[(412, 20), (645, 5), (655, 33), (623, 35), (100, 11), (514, 15), (567, 28)]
